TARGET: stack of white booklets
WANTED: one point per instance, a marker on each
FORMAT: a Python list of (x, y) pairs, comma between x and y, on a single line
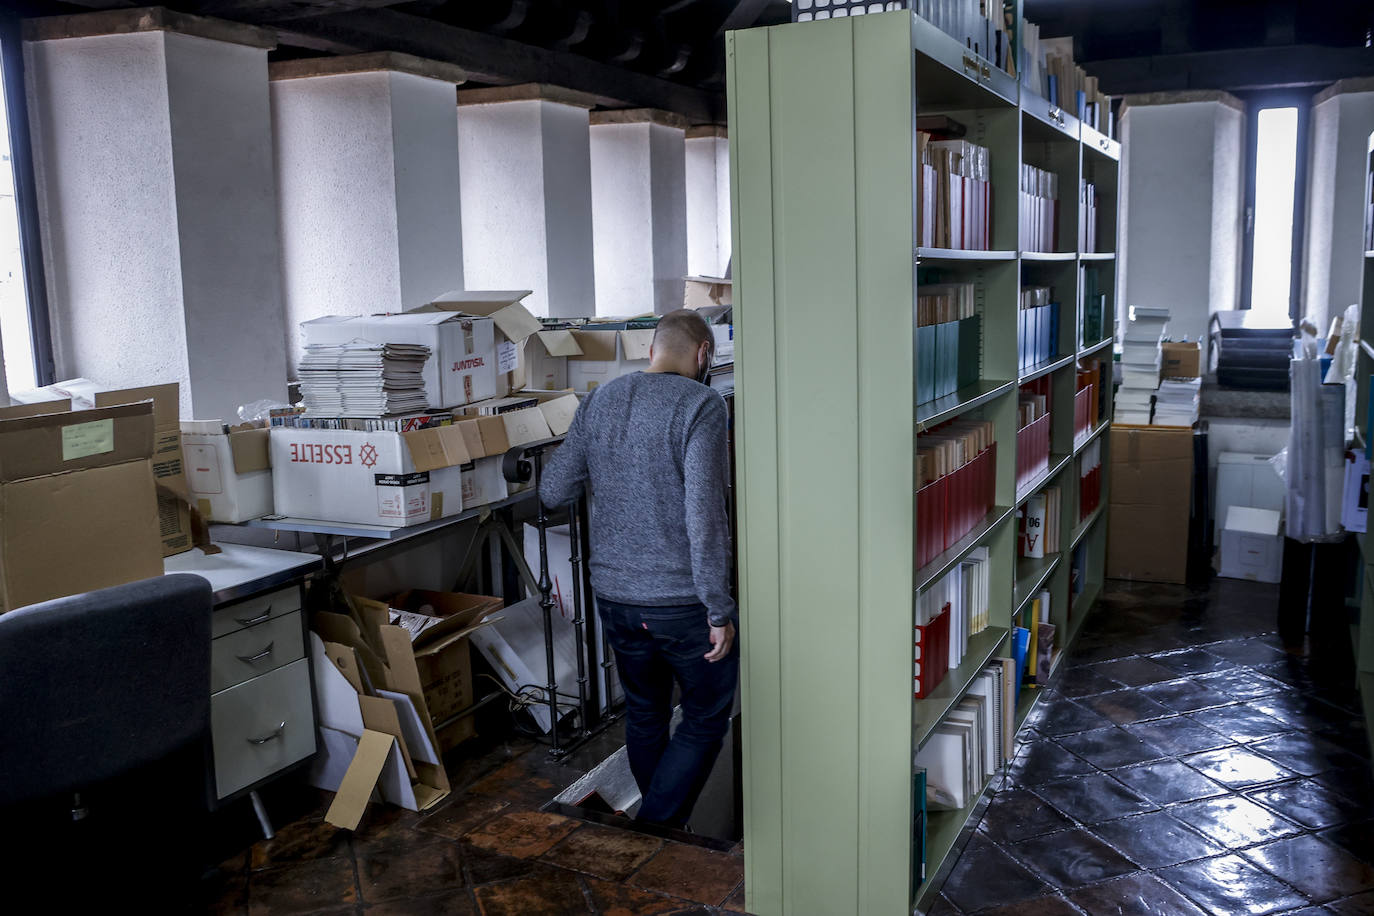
[(363, 379), (1140, 361), (1178, 401)]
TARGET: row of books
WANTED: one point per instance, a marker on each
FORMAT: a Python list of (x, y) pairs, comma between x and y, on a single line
[(948, 357), (1037, 532), (1087, 400), (296, 418), (1095, 327), (948, 614), (1087, 216), (954, 191), (1090, 479), (973, 742), (1032, 433), (1037, 327), (956, 481), (1067, 86), (1037, 633), (1039, 215)]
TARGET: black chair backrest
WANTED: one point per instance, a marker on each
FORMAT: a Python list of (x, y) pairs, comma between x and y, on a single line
[(99, 684)]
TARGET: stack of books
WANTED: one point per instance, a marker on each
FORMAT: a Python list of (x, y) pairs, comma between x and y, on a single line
[(1037, 326), (1140, 361), (1087, 404), (1039, 209), (973, 741), (1032, 433), (360, 380), (956, 467), (954, 191), (1037, 633), (947, 339), (948, 613), (1177, 402)]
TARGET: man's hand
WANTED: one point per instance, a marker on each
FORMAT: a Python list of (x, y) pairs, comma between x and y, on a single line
[(721, 640)]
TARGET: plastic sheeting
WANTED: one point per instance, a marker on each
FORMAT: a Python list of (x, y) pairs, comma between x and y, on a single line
[(1316, 454)]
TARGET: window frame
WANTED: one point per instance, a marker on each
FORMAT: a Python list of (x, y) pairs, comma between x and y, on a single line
[(1255, 102), (26, 196)]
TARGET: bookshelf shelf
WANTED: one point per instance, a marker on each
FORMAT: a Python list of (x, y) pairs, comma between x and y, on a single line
[(942, 564), (927, 714), (1090, 350), (962, 254), (1083, 527), (1369, 254), (1097, 256), (821, 117), (1031, 576), (1057, 463), (965, 399), (1092, 434), (1053, 365), (945, 839)]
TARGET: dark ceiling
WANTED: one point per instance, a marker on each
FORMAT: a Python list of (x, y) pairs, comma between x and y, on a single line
[(670, 54)]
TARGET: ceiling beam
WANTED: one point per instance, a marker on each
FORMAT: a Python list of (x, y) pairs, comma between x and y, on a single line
[(491, 59), (1235, 70), (745, 14)]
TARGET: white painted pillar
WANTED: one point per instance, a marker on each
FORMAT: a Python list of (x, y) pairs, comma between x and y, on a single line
[(157, 201), (1337, 154), (639, 210), (368, 166), (527, 195), (708, 200)]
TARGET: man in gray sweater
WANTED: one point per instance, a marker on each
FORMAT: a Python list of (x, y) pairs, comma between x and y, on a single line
[(651, 449)]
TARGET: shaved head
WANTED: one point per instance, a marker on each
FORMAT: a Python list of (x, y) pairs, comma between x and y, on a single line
[(682, 332)]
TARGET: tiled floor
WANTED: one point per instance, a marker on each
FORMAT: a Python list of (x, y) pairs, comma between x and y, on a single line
[(1183, 761)]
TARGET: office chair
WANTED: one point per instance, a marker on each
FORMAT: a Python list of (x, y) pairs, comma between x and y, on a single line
[(97, 687)]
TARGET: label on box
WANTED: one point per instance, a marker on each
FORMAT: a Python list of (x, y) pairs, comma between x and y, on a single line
[(394, 498), (81, 440), (507, 356)]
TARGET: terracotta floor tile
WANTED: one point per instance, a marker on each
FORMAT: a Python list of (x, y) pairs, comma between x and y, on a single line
[(461, 815), (1232, 884), (1319, 869), (1036, 906), (736, 900), (547, 892), (456, 903), (408, 871), (301, 888), (528, 780), (601, 851), (523, 834), (1359, 905), (612, 899), (691, 872), (492, 868), (1134, 895), (299, 841)]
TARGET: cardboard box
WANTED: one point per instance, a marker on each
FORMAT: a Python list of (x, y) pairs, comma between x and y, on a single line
[(514, 325), (1180, 360), (373, 478), (607, 353), (703, 292), (79, 502), (229, 473), (1251, 546), (78, 393), (440, 624), (1150, 496), (546, 354), (462, 366), (169, 466)]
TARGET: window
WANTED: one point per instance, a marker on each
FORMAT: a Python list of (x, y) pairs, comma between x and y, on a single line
[(1273, 214)]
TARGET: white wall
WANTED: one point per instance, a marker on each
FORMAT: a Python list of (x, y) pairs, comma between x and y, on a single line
[(1182, 196), (1333, 252), (156, 195), (708, 204)]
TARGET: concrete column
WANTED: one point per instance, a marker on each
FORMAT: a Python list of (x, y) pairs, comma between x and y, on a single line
[(527, 195), (708, 200), (1182, 180), (1333, 252), (157, 201), (368, 166), (639, 210)]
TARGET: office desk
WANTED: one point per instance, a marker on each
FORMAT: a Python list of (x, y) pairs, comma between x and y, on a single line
[(262, 707)]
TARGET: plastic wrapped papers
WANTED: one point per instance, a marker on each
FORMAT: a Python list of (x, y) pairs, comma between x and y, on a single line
[(1316, 454)]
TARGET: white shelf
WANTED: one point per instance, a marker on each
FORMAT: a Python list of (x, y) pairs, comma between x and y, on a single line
[(1090, 350), (962, 254), (1048, 255), (1098, 256)]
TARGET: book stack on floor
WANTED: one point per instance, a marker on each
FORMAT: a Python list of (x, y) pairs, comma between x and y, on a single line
[(1040, 209), (1177, 402), (954, 192), (947, 340), (1037, 326), (973, 741), (363, 380), (1140, 362), (948, 613), (1038, 526), (956, 466)]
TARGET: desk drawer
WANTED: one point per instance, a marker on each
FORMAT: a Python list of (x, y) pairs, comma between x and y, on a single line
[(262, 726), (255, 611), (244, 654)]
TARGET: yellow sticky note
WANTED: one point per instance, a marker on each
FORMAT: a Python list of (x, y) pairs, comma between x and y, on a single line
[(81, 440)]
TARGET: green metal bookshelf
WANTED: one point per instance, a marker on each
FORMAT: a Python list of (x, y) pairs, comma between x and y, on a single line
[(822, 154), (1362, 632)]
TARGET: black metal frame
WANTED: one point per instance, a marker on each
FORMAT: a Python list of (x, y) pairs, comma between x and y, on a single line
[(1254, 104), (26, 196)]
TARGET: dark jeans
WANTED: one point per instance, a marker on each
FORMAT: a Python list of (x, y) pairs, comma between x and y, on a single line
[(653, 647)]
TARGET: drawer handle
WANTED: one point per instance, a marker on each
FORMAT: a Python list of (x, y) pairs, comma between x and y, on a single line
[(281, 727), (249, 659), (258, 619)]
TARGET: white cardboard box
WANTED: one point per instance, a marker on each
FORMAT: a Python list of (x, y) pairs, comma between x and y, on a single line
[(229, 474), (371, 478), (484, 482), (462, 366), (607, 354), (1251, 546), (514, 325)]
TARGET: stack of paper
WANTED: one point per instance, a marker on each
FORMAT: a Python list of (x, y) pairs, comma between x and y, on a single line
[(1177, 402), (363, 379), (1140, 361)]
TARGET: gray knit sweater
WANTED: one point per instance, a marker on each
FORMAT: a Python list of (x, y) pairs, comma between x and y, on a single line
[(652, 447)]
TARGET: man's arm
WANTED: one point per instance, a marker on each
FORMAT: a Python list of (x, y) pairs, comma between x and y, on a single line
[(706, 476), (565, 475)]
